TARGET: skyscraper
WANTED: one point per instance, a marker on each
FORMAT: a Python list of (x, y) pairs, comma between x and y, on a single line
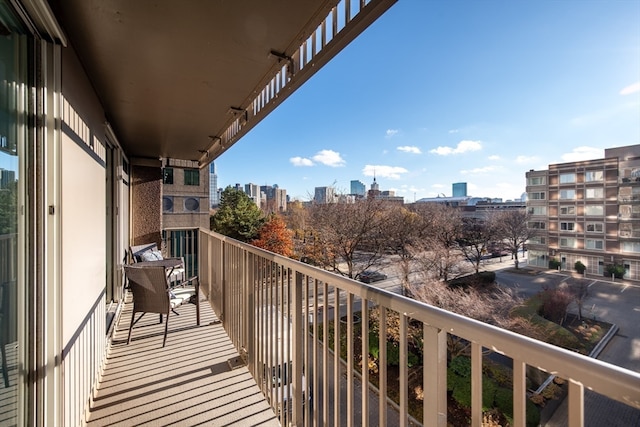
[(324, 195), (358, 188), (460, 189), (214, 199)]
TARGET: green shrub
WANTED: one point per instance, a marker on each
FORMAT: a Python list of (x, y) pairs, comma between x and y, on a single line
[(554, 264), (616, 270), (580, 267), (393, 353)]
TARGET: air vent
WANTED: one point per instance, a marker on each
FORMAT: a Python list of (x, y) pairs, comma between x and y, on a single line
[(167, 204), (191, 204)]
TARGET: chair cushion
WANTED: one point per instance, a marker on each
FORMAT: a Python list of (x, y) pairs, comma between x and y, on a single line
[(153, 255), (181, 295)]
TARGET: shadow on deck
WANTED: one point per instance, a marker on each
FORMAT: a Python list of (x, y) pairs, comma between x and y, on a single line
[(189, 382)]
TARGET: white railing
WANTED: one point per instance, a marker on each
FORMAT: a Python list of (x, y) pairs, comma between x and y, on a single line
[(267, 302)]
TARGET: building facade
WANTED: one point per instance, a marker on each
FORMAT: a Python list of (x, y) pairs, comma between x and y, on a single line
[(324, 195), (253, 191), (459, 189), (214, 194), (185, 195), (587, 211), (358, 188)]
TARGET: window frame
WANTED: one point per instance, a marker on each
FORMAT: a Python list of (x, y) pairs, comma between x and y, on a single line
[(568, 226), (595, 244), (191, 177), (595, 226), (587, 207), (567, 178), (565, 196), (593, 190), (566, 242), (538, 193), (572, 207), (588, 176), (167, 176)]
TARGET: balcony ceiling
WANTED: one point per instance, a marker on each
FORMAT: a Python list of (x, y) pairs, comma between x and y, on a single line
[(168, 72)]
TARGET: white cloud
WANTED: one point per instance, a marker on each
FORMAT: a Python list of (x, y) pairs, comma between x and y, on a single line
[(410, 149), (454, 131), (494, 157), (437, 186), (390, 172), (579, 154), (485, 169), (391, 133), (462, 147), (526, 159), (329, 158), (300, 161), (633, 88)]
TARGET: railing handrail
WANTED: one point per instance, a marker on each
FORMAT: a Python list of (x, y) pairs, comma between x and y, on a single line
[(581, 371)]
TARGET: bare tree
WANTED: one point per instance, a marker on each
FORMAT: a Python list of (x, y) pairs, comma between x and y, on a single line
[(514, 230), (493, 307), (351, 235), (579, 291), (476, 237), (404, 232), (442, 257)]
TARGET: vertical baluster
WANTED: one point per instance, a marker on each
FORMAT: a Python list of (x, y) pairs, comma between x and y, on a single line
[(476, 385), (434, 381)]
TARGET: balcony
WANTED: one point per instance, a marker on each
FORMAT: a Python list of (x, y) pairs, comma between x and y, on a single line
[(219, 372)]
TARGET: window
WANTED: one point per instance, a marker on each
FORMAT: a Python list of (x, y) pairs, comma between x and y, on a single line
[(568, 226), (594, 193), (567, 194), (594, 210), (567, 210), (538, 210), (191, 177), (167, 176), (567, 178), (538, 225), (594, 244), (538, 240), (595, 227), (536, 180), (568, 242), (539, 195), (630, 247), (594, 176)]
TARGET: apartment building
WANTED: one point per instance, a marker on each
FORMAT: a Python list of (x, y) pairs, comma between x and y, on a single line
[(185, 195), (587, 211)]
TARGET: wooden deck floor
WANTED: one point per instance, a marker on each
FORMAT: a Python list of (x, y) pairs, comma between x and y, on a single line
[(187, 383)]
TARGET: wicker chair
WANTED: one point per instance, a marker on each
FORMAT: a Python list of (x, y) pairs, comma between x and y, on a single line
[(152, 293)]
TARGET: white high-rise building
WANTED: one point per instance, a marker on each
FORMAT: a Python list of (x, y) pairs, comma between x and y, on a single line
[(214, 195)]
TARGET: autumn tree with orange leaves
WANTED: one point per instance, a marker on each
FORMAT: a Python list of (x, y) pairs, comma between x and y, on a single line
[(275, 237)]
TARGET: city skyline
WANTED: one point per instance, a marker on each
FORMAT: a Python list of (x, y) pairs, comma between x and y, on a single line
[(435, 93)]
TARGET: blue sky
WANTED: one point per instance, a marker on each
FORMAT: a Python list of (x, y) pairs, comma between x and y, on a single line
[(437, 92)]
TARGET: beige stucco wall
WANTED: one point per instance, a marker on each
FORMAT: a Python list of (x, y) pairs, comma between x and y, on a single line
[(82, 197)]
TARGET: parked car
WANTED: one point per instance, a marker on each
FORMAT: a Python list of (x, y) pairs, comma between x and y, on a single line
[(369, 276)]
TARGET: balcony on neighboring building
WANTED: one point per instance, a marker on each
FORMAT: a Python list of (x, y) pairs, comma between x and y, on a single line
[(264, 354)]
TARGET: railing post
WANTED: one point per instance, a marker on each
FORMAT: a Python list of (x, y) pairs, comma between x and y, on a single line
[(519, 393), (434, 376), (476, 385), (576, 404), (249, 312), (298, 352)]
